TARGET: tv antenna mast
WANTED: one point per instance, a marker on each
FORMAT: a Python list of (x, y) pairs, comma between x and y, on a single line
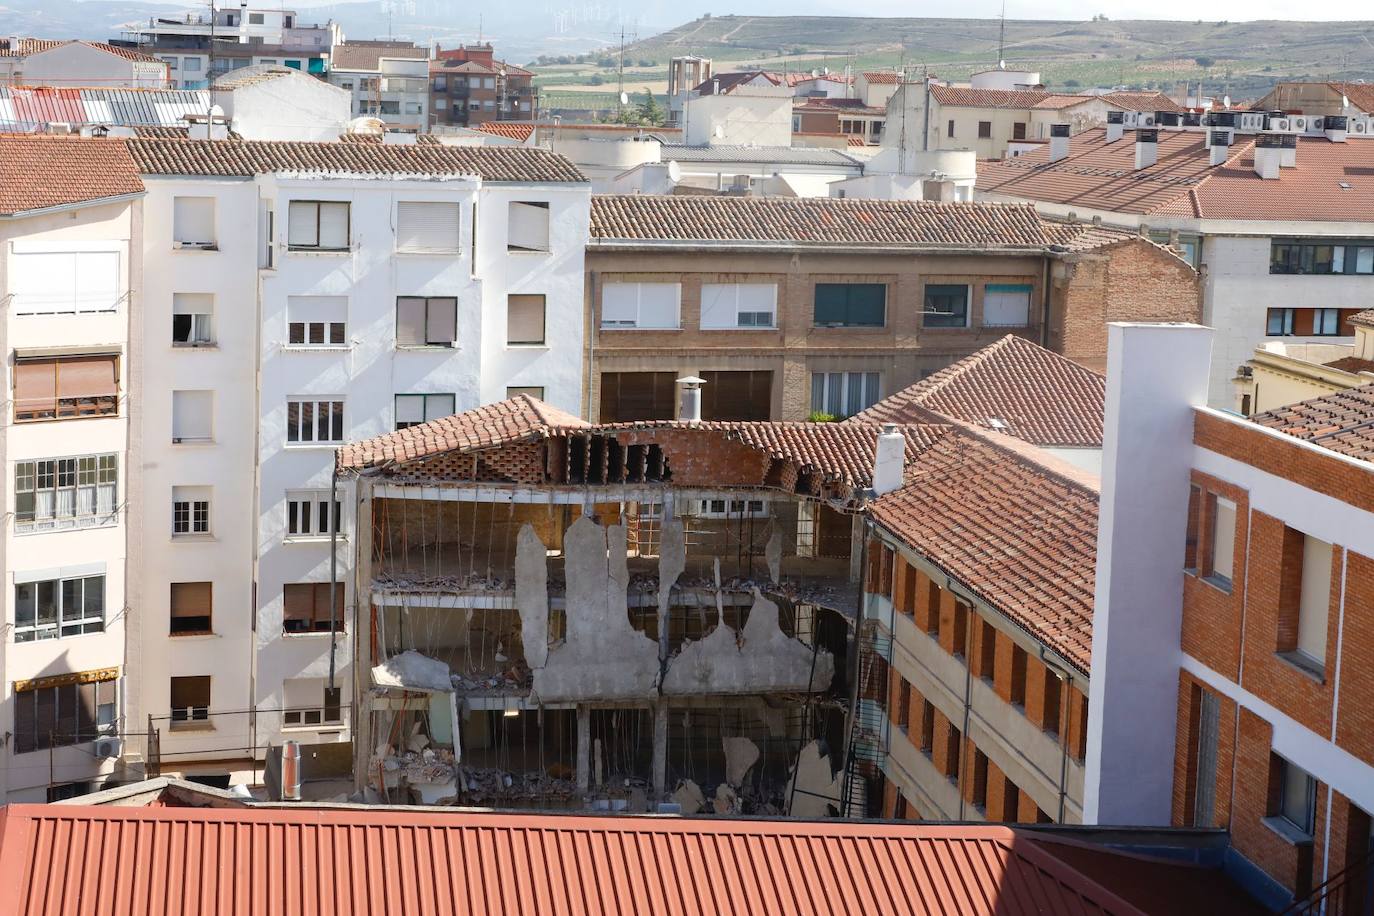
[(1002, 39)]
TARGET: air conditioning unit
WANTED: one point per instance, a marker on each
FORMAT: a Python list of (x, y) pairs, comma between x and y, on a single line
[(109, 748), (1360, 124), (1252, 120), (1281, 125), (1316, 125), (1147, 120), (1130, 118)]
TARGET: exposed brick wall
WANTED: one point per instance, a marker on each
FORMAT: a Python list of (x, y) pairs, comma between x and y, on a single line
[(1078, 723), (1355, 716), (1036, 673), (1211, 616), (1297, 693), (1185, 740), (1132, 281), (1001, 681), (1253, 802)]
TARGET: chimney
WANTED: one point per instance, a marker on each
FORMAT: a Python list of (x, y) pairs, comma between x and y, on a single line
[(690, 409), (1288, 146), (1268, 153), (291, 771), (1146, 148), (940, 190), (1116, 125), (889, 460), (1335, 127), (1059, 142), (1218, 145)]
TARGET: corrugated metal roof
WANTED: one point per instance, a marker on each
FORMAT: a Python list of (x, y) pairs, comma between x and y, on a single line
[(24, 109), (311, 860)]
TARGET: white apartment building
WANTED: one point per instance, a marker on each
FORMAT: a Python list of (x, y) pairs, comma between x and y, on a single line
[(387, 80), (1286, 252), (69, 284), (375, 287)]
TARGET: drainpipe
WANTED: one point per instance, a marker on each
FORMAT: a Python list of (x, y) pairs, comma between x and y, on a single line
[(1065, 686), (968, 694), (333, 568), (1045, 307)]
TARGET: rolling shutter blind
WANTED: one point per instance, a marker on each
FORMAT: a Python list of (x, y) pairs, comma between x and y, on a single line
[(1006, 305), (191, 414), (619, 305), (658, 305), (410, 322), (43, 282), (97, 281), (410, 408), (427, 226), (35, 387), (86, 377), (191, 599), (525, 320), (302, 224), (193, 219), (333, 225), (528, 228), (441, 321), (755, 301), (719, 305), (192, 303)]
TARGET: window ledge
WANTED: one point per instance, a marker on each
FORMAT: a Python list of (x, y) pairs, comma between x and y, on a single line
[(323, 726), (1287, 830), (527, 251), (1307, 666), (870, 328), (528, 346), (205, 634), (429, 253), (22, 532), (432, 348), (603, 329), (194, 346), (181, 246), (319, 252), (317, 348), (311, 446), (750, 327), (194, 539), (309, 633), (311, 538), (191, 443), (200, 726), (1219, 583)]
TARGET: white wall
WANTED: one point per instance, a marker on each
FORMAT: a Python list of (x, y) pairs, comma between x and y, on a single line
[(753, 117), (77, 64), (292, 107)]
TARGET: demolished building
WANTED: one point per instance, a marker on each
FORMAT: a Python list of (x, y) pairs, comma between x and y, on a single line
[(635, 616)]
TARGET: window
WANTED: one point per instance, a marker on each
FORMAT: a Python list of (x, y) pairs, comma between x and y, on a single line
[(903, 710), (312, 421), (53, 608), (58, 493), (1222, 530), (850, 305), (980, 780), (191, 63), (1296, 793), (193, 416), (63, 710), (190, 608), (255, 18), (308, 702), (1286, 322), (527, 226), (440, 104), (1006, 305), (428, 226), (305, 607), (319, 321), (191, 319), (426, 321), (534, 391), (946, 305), (414, 409), (64, 282), (171, 62), (1304, 599), (190, 511), (953, 745), (1018, 675), (293, 64), (190, 701), (525, 320), (308, 515), (1018, 130), (739, 305), (843, 394), (984, 130), (640, 305), (732, 508), (1291, 256), (193, 222), (57, 388), (949, 128), (317, 225)]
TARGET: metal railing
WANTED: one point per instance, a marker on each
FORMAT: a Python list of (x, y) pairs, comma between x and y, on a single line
[(1349, 892)]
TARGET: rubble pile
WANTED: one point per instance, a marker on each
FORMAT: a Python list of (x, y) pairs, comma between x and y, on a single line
[(516, 678)]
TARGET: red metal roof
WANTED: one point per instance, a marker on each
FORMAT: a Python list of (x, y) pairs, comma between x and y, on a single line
[(311, 860)]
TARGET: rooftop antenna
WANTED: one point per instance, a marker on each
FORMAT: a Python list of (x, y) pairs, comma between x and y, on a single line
[(210, 74), (620, 68), (1002, 39)]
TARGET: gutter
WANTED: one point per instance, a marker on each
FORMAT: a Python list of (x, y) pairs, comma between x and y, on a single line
[(77, 205), (776, 246)]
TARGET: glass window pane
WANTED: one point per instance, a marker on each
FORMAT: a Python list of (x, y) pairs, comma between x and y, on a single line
[(818, 391)]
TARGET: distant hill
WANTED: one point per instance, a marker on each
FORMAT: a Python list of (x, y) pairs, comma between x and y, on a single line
[(1242, 58)]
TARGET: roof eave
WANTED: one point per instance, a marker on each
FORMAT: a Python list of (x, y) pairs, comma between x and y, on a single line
[(75, 205), (774, 245)]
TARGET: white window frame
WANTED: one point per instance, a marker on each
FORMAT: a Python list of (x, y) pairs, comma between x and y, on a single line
[(314, 320), (79, 622), (625, 302), (425, 399), (1223, 558), (846, 380), (80, 491), (725, 299), (307, 514), (200, 329), (191, 512), (303, 430)]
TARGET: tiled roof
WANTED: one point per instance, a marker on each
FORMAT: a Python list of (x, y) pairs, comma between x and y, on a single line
[(449, 65), (882, 77), (47, 171), (352, 137), (1364, 319), (518, 419), (1021, 535), (1097, 175), (311, 860), (159, 132), (1058, 101), (256, 73), (842, 106), (1035, 394), (782, 155), (728, 82), (367, 55), (831, 221), (963, 97), (28, 108), (1142, 101), (245, 158), (25, 47), (1352, 364), (513, 130), (126, 53), (1361, 95), (1342, 422)]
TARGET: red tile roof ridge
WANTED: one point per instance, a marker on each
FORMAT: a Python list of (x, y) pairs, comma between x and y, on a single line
[(1028, 453), (1363, 319)]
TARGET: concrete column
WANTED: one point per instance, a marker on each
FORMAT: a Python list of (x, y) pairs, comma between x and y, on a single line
[(1156, 375), (660, 765), (584, 748)]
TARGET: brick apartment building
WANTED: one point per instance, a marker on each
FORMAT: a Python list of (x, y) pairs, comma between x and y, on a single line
[(469, 86), (792, 306)]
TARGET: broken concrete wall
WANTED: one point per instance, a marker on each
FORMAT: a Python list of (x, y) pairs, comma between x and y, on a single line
[(814, 789), (532, 595), (603, 657), (760, 659)]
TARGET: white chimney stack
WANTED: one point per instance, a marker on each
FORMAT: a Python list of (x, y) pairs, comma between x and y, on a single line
[(690, 408), (1059, 142), (1335, 127), (889, 460), (1268, 155), (1116, 125), (1219, 146), (1146, 148), (1288, 149)]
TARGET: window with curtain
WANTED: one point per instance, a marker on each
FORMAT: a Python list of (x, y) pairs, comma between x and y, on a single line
[(63, 710), (850, 305), (427, 226), (57, 493), (524, 320), (64, 387), (414, 409), (317, 225), (843, 394), (310, 421), (426, 321), (53, 608), (192, 317), (305, 607), (190, 608)]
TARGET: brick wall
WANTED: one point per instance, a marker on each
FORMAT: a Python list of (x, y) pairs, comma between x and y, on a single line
[(1211, 615), (1132, 281), (1355, 719), (1253, 801), (1185, 757)]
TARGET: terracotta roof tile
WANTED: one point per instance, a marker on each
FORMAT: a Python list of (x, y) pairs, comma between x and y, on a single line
[(49, 171), (1142, 101), (1020, 534), (367, 55), (1353, 364), (514, 130), (1361, 95), (964, 97), (829, 221), (25, 47), (1342, 422), (1037, 395), (244, 158), (1098, 175), (1364, 319), (728, 82), (882, 77)]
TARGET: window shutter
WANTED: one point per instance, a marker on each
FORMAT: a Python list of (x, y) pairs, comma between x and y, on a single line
[(35, 388), (441, 321), (719, 305), (97, 281), (193, 220), (831, 303), (192, 303), (427, 226), (302, 226), (528, 228), (410, 408), (410, 322), (191, 414), (619, 305), (658, 305), (43, 282), (191, 599), (757, 299), (1006, 305), (866, 304), (334, 225), (86, 377), (525, 320), (438, 405)]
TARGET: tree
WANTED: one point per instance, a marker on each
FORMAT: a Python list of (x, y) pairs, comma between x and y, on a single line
[(1204, 62), (596, 79), (648, 109)]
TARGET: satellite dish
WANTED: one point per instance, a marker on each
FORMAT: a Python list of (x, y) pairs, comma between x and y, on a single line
[(1226, 102), (624, 98), (674, 171), (719, 131)]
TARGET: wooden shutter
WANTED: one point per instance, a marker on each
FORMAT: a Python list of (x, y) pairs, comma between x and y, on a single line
[(190, 691), (35, 389), (321, 602), (427, 226), (191, 599)]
